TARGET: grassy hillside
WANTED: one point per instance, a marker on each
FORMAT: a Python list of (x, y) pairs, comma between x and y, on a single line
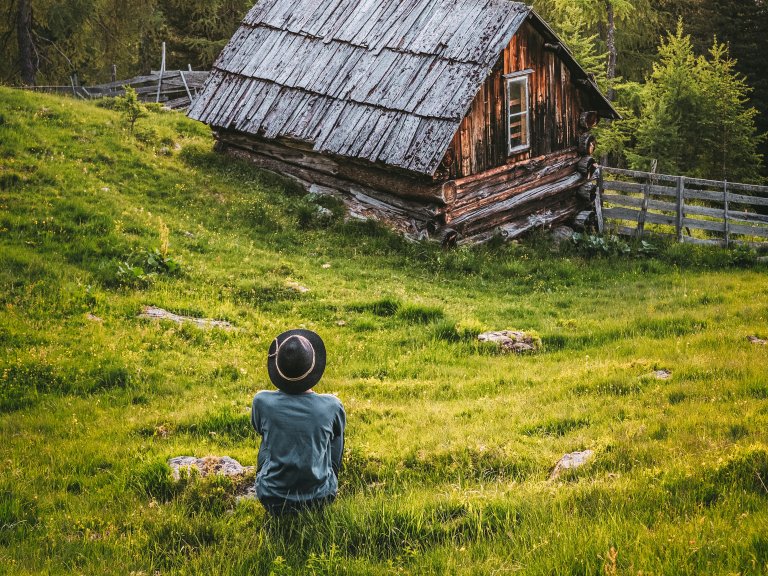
[(449, 443)]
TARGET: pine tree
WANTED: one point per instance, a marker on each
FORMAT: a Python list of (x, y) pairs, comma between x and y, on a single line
[(695, 117), (729, 123)]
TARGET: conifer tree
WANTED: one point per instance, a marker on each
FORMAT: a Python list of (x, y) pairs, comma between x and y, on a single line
[(695, 117), (729, 131)]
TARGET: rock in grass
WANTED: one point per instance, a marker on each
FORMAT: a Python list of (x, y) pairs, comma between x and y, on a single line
[(221, 465), (512, 341), (756, 340), (155, 313), (217, 465), (562, 234), (571, 462), (662, 374)]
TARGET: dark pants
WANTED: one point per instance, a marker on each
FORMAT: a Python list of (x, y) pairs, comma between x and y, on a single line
[(281, 507)]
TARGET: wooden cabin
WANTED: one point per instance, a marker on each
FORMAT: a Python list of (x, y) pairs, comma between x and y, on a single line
[(454, 119)]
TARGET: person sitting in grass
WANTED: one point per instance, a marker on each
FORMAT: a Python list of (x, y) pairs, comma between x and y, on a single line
[(302, 432)]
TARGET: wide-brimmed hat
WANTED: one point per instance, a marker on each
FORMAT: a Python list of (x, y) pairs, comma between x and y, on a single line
[(296, 360)]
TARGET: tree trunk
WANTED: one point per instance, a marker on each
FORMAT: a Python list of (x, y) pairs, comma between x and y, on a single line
[(611, 42), (27, 66)]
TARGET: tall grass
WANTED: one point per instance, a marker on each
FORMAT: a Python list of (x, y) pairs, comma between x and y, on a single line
[(449, 445)]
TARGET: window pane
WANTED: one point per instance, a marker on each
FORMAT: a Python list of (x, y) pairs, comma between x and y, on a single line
[(518, 131), (516, 97), (517, 113)]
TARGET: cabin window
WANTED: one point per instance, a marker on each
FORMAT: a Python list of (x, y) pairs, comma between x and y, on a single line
[(518, 117)]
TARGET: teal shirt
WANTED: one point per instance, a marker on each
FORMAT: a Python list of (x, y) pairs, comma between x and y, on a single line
[(302, 440)]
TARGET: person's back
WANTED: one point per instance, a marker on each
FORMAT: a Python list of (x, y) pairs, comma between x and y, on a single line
[(301, 446), (302, 431)]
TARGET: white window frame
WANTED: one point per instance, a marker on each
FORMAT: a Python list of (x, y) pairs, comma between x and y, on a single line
[(518, 78)]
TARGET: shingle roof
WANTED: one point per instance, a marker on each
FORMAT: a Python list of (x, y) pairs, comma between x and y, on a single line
[(386, 81)]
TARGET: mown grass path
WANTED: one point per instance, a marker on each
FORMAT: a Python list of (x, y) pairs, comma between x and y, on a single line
[(449, 444)]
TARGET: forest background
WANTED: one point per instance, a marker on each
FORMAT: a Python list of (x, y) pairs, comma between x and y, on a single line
[(688, 76)]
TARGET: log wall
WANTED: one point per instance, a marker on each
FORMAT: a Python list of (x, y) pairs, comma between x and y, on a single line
[(481, 142), (511, 199)]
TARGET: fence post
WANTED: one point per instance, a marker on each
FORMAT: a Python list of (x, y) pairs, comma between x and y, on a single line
[(599, 201), (160, 80), (114, 73), (726, 216), (680, 193)]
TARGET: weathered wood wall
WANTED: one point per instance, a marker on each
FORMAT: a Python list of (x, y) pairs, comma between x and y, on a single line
[(554, 103)]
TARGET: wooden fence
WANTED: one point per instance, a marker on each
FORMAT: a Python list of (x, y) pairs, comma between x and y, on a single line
[(688, 209), (172, 88)]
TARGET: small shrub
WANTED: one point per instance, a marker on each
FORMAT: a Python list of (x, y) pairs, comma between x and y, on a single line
[(141, 267), (591, 245), (318, 211), (130, 107)]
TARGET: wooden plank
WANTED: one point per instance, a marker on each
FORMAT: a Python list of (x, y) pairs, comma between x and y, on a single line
[(643, 209), (400, 142), (637, 188), (502, 186), (599, 210), (680, 199), (749, 217), (748, 200), (725, 214), (529, 196), (703, 241), (749, 230), (626, 214), (709, 225), (634, 202), (630, 231), (731, 185), (638, 175)]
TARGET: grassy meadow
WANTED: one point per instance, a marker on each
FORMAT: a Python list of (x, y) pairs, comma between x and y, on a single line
[(449, 443)]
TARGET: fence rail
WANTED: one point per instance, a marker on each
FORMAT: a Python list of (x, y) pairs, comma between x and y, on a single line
[(691, 210), (172, 88)]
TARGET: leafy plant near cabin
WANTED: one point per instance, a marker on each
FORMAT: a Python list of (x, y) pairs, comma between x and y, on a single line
[(130, 107)]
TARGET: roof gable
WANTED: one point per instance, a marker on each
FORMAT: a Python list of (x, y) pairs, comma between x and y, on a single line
[(384, 81)]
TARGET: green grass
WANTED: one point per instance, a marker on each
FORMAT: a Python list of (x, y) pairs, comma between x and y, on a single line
[(449, 444)]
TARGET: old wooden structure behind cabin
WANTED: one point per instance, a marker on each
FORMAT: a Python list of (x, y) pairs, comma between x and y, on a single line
[(402, 110)]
